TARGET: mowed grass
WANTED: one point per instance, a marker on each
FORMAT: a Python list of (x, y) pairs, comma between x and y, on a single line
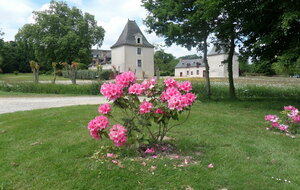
[(22, 77), (51, 149)]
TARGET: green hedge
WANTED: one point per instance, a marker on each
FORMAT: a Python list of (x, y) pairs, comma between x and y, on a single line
[(219, 91), (89, 74)]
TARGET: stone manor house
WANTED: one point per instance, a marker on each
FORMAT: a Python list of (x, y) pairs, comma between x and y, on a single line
[(133, 52)]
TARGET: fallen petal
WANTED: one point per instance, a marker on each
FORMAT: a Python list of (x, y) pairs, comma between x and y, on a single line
[(211, 165)]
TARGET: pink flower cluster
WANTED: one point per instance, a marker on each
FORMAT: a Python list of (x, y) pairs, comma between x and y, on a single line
[(97, 125), (290, 118), (125, 79), (170, 82), (111, 91), (292, 113), (118, 135), (148, 84), (145, 107), (185, 86), (135, 89), (104, 109), (173, 96)]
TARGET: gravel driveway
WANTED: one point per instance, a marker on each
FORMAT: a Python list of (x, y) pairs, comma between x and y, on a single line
[(13, 104)]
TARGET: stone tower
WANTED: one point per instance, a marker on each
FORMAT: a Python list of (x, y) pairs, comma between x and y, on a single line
[(133, 52)]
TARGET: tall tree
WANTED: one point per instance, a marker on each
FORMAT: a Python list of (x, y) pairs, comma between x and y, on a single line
[(165, 62), (62, 34), (182, 22), (272, 35)]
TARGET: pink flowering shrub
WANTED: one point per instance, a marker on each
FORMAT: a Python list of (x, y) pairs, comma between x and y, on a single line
[(289, 121), (145, 121)]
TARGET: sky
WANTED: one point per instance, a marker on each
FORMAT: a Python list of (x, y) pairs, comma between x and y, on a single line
[(112, 15)]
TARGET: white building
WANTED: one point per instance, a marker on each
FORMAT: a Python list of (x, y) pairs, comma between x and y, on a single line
[(133, 52), (217, 65)]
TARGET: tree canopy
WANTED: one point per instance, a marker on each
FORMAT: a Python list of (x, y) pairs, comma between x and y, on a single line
[(60, 34), (165, 62)]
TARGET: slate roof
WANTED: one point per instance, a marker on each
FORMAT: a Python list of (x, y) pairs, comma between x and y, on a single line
[(185, 63), (127, 36)]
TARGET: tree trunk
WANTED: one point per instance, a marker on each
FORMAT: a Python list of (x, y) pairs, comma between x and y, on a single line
[(54, 75), (207, 79), (36, 75), (232, 94), (73, 75)]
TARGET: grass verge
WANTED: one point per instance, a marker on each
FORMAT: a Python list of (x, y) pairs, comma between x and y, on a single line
[(51, 149)]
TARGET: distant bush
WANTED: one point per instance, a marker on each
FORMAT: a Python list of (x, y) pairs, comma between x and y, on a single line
[(89, 74), (16, 72), (59, 73), (105, 74)]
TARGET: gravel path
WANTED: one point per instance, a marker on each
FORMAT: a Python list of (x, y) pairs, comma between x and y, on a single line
[(8, 105)]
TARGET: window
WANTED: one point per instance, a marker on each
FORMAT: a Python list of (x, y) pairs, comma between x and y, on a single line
[(139, 63), (197, 72), (139, 51), (187, 72), (181, 74), (191, 72), (138, 40)]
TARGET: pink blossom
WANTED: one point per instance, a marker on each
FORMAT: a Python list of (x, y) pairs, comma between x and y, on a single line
[(115, 161), (283, 127), (190, 98), (125, 79), (296, 119), (145, 107), (150, 150), (152, 83), (163, 148), (97, 125), (171, 92), (118, 135), (153, 168), (289, 108), (135, 89), (170, 82), (111, 91), (176, 102), (144, 163), (275, 124), (154, 156), (145, 84), (211, 165), (104, 108), (186, 161), (158, 110), (177, 156), (272, 118), (110, 155), (185, 86)]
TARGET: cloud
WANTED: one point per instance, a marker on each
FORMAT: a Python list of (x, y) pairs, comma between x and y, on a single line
[(112, 15)]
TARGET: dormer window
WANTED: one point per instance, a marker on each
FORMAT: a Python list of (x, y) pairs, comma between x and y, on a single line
[(138, 38)]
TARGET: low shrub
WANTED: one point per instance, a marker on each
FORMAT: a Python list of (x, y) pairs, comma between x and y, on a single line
[(89, 74), (105, 74)]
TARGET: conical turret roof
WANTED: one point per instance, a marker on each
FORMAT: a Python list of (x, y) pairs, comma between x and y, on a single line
[(128, 36)]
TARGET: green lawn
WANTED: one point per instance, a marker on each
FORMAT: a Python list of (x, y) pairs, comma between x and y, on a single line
[(21, 77), (51, 149)]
